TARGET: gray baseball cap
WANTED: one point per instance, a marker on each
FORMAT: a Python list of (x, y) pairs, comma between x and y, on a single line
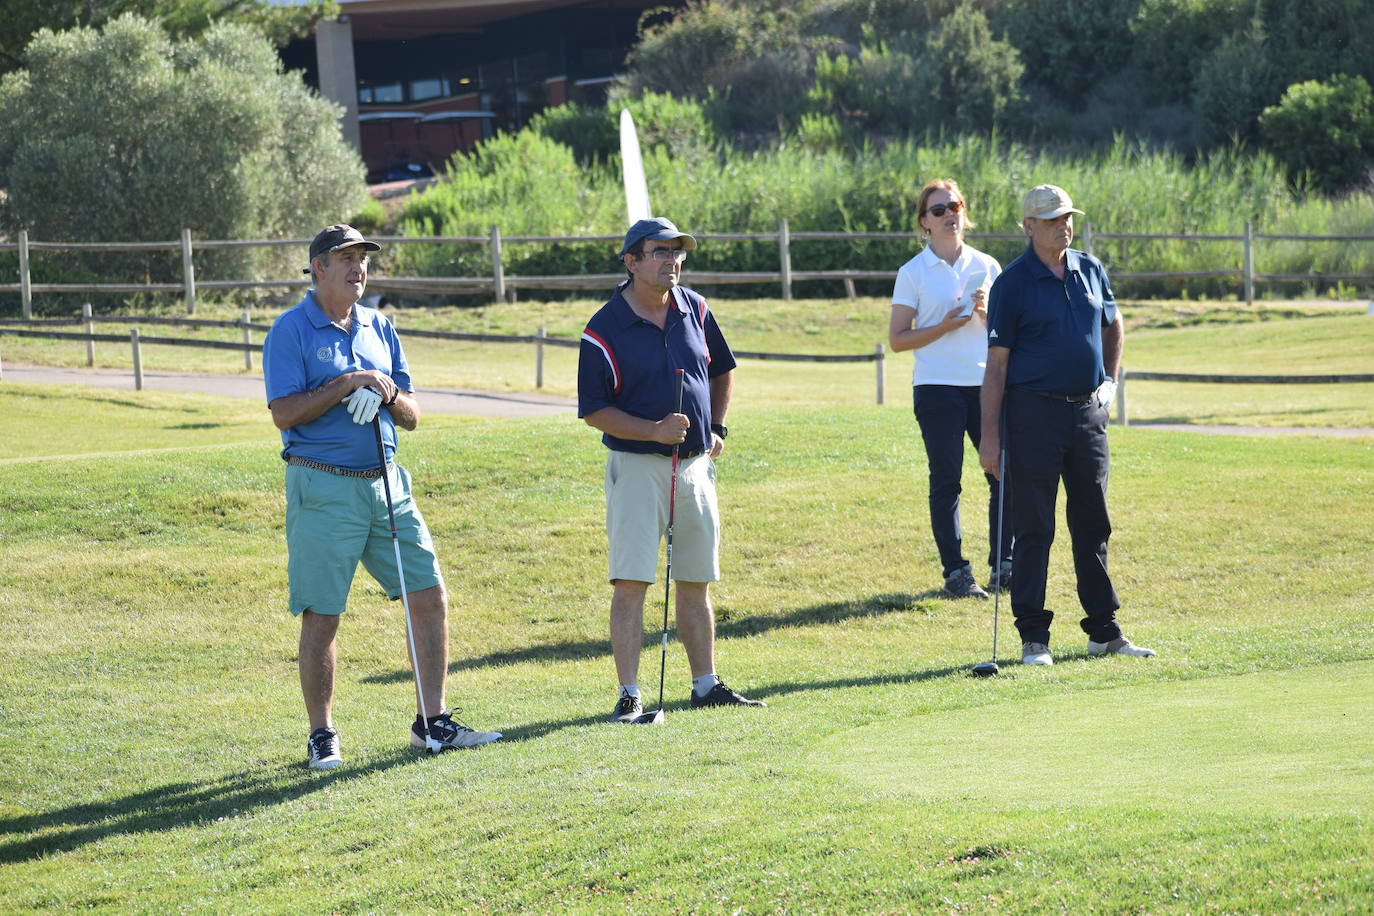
[(658, 228)]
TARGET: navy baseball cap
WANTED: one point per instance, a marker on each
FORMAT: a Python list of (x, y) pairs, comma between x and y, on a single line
[(340, 235), (658, 228)]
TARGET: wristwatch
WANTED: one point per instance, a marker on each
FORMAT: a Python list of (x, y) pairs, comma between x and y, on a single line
[(719, 430)]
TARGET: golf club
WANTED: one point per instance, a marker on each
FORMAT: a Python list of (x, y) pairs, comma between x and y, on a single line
[(431, 743), (655, 717), (989, 667)]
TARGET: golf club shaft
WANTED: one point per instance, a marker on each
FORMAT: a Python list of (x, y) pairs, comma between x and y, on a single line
[(401, 574), (997, 551), (668, 570)]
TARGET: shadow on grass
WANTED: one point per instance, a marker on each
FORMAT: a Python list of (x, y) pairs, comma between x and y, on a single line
[(172, 806), (727, 627)]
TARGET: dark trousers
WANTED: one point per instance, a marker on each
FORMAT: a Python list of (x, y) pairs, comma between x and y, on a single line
[(946, 413), (1046, 441)]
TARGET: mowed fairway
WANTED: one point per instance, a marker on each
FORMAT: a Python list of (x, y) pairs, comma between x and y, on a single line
[(153, 737)]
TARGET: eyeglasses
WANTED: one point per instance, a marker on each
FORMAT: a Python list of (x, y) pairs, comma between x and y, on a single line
[(954, 206), (668, 254)]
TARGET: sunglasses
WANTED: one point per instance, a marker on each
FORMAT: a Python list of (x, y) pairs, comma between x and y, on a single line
[(954, 206)]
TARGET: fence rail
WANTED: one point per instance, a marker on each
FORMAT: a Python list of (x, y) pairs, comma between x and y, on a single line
[(503, 286)]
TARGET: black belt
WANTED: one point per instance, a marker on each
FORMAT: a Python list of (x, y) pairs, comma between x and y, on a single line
[(681, 455), (1062, 396), (370, 474)]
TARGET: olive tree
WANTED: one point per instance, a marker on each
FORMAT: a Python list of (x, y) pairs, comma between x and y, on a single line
[(125, 134)]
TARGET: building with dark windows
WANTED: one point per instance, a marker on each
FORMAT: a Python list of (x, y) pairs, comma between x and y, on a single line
[(420, 79)]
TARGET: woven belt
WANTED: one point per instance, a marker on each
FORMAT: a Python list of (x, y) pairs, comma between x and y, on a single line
[(1061, 396), (371, 474)]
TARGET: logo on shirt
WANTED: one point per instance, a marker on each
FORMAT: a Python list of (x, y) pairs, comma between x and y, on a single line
[(993, 335), (325, 354)]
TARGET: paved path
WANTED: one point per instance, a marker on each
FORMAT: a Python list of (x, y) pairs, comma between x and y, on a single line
[(433, 400)]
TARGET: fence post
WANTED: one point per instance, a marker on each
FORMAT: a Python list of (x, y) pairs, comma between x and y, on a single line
[(539, 357), (785, 258), (1087, 236), (188, 271), (25, 284), (1121, 417), (138, 359), (498, 274), (881, 363), (849, 288), (90, 329), (247, 341), (1249, 263)]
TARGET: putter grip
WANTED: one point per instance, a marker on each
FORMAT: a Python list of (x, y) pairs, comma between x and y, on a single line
[(679, 389)]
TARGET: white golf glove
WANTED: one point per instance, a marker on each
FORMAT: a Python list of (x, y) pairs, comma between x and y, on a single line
[(1106, 393), (362, 404)]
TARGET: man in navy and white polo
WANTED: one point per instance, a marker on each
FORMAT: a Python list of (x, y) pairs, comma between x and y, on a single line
[(626, 387), (1054, 350)]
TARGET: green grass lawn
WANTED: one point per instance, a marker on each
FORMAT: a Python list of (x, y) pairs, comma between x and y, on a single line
[(153, 733)]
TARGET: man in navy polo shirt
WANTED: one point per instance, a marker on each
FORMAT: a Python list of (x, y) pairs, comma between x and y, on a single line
[(626, 387), (332, 365), (1054, 349)]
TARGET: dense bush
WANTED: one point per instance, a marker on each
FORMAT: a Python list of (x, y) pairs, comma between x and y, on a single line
[(1324, 131), (125, 135)]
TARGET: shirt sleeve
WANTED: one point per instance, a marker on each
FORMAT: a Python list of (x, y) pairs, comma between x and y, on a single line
[(1002, 308), (904, 289), (1109, 310), (722, 357), (596, 375), (400, 369), (283, 365)]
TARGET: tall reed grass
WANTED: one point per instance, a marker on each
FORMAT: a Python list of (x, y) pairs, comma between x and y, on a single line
[(530, 184)]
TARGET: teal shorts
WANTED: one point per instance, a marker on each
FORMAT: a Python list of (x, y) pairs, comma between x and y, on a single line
[(334, 522)]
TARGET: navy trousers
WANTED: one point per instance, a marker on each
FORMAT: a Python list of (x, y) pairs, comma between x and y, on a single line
[(947, 413), (1048, 441)]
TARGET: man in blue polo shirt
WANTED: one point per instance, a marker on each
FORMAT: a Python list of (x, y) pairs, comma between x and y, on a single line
[(626, 386), (332, 365), (1054, 349)]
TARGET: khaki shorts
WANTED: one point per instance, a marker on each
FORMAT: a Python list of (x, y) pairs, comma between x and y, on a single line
[(637, 517), (334, 522)]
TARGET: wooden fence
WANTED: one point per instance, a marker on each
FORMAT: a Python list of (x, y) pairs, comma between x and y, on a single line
[(502, 286)]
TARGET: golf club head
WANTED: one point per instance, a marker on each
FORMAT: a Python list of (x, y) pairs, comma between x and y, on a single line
[(432, 745), (648, 718), (985, 669)]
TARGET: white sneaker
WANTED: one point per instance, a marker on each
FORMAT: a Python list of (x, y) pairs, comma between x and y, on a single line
[(1119, 646), (1036, 653)]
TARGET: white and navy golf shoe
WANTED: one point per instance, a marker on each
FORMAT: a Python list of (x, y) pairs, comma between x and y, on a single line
[(449, 733)]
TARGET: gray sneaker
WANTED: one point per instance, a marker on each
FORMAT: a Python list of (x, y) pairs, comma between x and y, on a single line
[(961, 584), (1119, 646), (1036, 653), (1004, 575)]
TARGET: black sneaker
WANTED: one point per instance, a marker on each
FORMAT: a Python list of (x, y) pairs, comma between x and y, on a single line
[(961, 584), (322, 749), (626, 709), (448, 733), (721, 695)]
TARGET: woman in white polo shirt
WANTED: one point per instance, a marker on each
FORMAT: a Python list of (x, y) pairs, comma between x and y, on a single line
[(939, 310)]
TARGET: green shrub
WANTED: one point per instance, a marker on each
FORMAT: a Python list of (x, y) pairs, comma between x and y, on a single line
[(1324, 131), (126, 135)]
